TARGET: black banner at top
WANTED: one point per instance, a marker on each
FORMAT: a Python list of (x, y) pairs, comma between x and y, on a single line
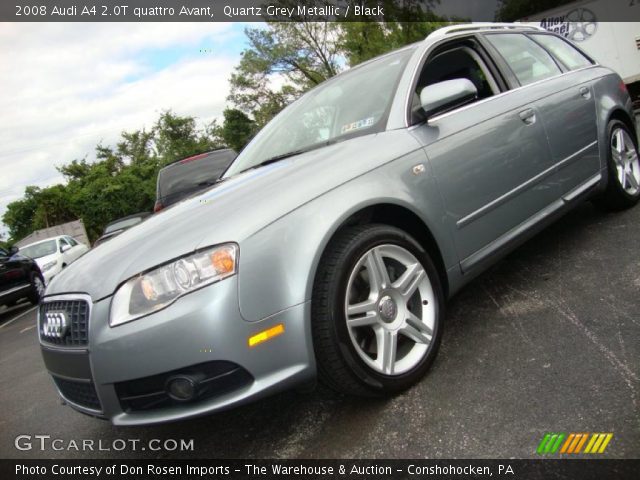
[(317, 10)]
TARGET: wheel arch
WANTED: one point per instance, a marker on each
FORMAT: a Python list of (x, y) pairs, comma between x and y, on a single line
[(395, 215), (621, 115)]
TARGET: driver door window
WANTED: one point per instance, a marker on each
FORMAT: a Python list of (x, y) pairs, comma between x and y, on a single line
[(459, 62), (483, 158)]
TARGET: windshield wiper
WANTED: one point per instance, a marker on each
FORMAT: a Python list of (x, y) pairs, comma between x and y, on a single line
[(275, 159), (292, 153)]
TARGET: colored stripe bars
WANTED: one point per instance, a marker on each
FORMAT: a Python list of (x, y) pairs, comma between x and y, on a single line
[(574, 443)]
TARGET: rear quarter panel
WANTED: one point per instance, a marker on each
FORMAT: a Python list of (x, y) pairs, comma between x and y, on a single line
[(610, 97)]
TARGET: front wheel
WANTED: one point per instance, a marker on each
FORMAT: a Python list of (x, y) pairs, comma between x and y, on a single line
[(37, 289), (377, 311), (623, 165)]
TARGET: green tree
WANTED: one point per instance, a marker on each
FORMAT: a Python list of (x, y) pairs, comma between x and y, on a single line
[(237, 129), (177, 137), (283, 60), (121, 181), (53, 208), (19, 214), (512, 10), (404, 23)]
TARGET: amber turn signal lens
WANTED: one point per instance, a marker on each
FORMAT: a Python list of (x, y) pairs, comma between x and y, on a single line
[(223, 261), (266, 335)]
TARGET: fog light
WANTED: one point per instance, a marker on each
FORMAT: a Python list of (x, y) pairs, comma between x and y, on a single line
[(181, 388)]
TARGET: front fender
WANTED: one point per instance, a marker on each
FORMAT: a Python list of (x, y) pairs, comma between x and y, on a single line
[(278, 264)]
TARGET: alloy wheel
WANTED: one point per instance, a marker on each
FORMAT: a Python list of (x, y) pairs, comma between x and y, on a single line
[(626, 162), (390, 309), (39, 286)]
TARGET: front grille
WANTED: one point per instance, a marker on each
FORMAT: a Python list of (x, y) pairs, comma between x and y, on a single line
[(76, 314), (81, 393), (148, 393)]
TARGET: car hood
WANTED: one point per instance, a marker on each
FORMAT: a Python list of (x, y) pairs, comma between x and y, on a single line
[(228, 212)]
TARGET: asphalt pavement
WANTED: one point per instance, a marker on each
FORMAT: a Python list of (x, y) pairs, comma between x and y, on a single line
[(548, 340)]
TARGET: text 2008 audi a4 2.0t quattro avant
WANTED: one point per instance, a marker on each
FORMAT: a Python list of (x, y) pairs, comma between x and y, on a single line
[(330, 244)]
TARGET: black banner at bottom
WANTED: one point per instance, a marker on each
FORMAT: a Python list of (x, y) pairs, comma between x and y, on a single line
[(583, 469)]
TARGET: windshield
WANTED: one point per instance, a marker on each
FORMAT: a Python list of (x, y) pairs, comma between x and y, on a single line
[(38, 250), (352, 104)]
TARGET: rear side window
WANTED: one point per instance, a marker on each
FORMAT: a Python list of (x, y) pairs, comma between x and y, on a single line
[(566, 53), (190, 175), (528, 60)]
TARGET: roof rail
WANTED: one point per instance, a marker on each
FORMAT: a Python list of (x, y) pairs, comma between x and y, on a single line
[(441, 32)]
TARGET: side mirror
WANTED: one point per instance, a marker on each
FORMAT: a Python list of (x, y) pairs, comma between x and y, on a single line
[(443, 96), (64, 248)]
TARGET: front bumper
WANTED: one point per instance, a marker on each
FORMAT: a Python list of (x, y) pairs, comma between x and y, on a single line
[(202, 328)]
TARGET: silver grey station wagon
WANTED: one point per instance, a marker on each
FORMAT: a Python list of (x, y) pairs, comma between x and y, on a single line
[(329, 246)]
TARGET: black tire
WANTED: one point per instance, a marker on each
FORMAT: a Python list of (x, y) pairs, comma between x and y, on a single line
[(34, 295), (339, 365), (615, 197)]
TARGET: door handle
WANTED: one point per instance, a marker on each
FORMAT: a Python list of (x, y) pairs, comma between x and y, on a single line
[(528, 116), (585, 93)]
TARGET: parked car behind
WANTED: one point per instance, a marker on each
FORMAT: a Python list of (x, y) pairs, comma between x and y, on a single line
[(184, 177), (120, 225), (20, 277), (334, 239), (54, 254)]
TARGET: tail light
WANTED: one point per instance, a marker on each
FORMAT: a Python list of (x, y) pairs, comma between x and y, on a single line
[(158, 206), (623, 87)]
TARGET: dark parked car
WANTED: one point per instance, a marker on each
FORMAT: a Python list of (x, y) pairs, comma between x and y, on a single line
[(184, 177), (120, 225), (20, 278)]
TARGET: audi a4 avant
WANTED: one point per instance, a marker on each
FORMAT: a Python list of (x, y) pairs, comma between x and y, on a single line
[(329, 246)]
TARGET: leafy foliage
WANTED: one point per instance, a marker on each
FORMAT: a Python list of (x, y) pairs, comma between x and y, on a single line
[(286, 59), (237, 129), (283, 60), (405, 22), (512, 10), (120, 182)]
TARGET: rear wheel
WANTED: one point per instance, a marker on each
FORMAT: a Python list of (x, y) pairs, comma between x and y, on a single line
[(37, 288), (623, 164), (377, 311)]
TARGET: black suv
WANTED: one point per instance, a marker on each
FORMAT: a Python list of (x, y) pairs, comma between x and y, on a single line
[(20, 277), (183, 178)]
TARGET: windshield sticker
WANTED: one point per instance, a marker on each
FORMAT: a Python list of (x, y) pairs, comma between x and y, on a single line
[(349, 127)]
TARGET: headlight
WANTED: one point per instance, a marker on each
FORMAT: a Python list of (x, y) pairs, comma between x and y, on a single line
[(49, 266), (158, 288)]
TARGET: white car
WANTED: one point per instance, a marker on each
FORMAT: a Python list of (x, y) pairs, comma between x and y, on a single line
[(53, 254)]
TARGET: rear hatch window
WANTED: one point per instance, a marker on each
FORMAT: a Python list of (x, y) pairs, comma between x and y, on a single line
[(185, 177)]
